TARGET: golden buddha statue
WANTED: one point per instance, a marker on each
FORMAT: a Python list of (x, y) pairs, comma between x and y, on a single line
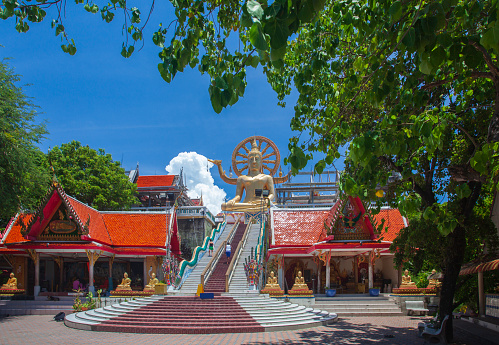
[(434, 283), (125, 283), (249, 183), (407, 282), (11, 283), (300, 287), (272, 287), (152, 283)]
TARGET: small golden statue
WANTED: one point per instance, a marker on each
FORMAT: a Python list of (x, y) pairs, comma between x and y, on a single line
[(272, 287), (152, 283), (300, 287), (125, 284), (11, 283), (433, 283), (407, 282)]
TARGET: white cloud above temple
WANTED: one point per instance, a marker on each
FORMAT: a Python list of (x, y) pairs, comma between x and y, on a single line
[(198, 179)]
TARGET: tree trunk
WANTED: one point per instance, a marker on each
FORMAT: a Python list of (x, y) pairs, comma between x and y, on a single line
[(454, 254)]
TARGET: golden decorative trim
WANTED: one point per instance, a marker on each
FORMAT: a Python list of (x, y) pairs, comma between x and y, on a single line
[(92, 256), (59, 237), (324, 256), (374, 255), (33, 255), (58, 260), (111, 261)]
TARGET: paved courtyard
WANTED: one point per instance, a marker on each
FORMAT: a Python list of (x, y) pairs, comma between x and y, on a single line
[(41, 329)]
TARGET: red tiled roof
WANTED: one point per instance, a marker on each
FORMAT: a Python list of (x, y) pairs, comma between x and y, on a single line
[(298, 227), (96, 228), (393, 220), (137, 229), (155, 181), (305, 227), (14, 234)]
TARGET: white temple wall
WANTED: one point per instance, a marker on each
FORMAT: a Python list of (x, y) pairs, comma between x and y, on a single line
[(389, 272)]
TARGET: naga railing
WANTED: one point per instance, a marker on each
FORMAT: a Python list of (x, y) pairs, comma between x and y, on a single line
[(186, 267)]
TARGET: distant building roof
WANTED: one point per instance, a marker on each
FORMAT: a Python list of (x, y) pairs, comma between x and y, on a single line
[(155, 181)]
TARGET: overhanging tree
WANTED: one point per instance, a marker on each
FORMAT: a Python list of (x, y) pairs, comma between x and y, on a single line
[(92, 177), (412, 87), (23, 179)]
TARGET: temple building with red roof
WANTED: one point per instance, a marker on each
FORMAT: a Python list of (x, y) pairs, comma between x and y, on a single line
[(343, 247), (66, 239)]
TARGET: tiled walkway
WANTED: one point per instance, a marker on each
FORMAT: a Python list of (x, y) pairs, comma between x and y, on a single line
[(40, 329)]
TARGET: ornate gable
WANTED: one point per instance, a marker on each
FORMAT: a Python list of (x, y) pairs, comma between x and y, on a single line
[(55, 219), (349, 222)]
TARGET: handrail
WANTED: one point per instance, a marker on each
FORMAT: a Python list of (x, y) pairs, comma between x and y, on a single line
[(208, 270), (198, 253), (237, 253)]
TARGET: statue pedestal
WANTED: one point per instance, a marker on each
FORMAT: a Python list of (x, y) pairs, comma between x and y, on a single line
[(161, 289)]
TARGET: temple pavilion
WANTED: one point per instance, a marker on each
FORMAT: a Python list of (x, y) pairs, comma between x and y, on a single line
[(343, 246), (65, 239)]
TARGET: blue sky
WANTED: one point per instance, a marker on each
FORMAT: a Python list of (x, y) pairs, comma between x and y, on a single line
[(123, 105)]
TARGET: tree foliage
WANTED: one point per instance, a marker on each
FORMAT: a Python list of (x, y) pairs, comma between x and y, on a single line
[(410, 87), (23, 178), (92, 177)]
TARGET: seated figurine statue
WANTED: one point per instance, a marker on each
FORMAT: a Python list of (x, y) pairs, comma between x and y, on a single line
[(300, 287), (11, 283), (434, 283), (272, 287), (125, 284), (407, 282), (152, 283)]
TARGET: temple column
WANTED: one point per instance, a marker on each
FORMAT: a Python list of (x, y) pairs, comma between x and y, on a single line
[(328, 272), (110, 283), (36, 260), (370, 269), (356, 270), (92, 258), (280, 274), (37, 274), (481, 295), (319, 271), (61, 274)]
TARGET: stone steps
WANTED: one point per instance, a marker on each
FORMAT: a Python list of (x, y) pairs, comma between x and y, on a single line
[(188, 314), (359, 305)]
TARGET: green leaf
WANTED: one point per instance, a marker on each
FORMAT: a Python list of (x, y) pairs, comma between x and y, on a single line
[(215, 98), (255, 9), (306, 12), (395, 11), (437, 56), (164, 73), (318, 5), (59, 29), (410, 38), (277, 54), (319, 166), (425, 66), (278, 32), (257, 37)]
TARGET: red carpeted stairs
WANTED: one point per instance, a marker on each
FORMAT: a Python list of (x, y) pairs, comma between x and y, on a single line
[(216, 282), (184, 315)]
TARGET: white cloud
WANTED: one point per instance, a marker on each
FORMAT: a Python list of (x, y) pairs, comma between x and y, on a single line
[(198, 179)]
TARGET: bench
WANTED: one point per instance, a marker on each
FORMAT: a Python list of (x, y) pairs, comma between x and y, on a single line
[(413, 306), (430, 334)]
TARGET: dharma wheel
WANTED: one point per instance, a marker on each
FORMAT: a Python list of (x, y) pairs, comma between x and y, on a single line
[(270, 155)]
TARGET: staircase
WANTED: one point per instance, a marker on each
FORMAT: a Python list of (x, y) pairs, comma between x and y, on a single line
[(190, 285), (39, 306), (239, 282), (358, 305), (216, 282), (187, 315)]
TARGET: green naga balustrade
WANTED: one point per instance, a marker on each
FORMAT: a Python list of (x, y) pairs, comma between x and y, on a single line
[(198, 253)]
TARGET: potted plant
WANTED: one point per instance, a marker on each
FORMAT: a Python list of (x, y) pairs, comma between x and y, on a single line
[(330, 292), (374, 292)]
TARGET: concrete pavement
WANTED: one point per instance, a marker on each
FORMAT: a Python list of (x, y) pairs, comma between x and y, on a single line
[(41, 329)]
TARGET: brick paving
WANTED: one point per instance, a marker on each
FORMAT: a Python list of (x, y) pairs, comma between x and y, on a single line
[(41, 329)]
